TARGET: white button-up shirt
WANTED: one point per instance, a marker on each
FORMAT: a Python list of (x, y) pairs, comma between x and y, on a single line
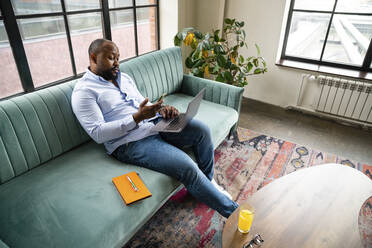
[(106, 112)]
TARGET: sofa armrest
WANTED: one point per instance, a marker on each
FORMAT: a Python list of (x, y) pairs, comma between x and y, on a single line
[(216, 92)]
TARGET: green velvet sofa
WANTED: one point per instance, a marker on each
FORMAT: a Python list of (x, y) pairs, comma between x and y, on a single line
[(55, 182)]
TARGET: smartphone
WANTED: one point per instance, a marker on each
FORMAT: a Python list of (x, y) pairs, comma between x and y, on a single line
[(161, 97)]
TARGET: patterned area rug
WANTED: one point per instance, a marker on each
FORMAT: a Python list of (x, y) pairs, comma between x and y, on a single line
[(243, 165)]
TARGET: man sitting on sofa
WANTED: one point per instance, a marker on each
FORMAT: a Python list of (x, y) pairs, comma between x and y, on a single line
[(112, 111)]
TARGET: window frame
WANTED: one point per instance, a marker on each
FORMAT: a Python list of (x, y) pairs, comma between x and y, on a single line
[(283, 57), (16, 43)]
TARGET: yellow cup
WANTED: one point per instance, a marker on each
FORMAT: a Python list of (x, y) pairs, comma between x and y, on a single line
[(246, 215)]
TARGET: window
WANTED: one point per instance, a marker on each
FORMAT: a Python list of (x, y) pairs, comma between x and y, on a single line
[(10, 83), (50, 38), (335, 33), (139, 26), (146, 26), (122, 31), (46, 46)]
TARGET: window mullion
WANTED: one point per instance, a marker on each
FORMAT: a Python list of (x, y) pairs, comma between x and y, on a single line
[(106, 20), (328, 29), (287, 28), (135, 25), (158, 23), (368, 58), (16, 44), (67, 29)]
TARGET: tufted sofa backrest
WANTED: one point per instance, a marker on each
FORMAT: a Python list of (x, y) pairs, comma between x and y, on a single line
[(157, 72), (37, 127)]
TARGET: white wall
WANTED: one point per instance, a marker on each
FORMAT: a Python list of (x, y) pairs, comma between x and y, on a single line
[(209, 14), (279, 86), (168, 22), (263, 26)]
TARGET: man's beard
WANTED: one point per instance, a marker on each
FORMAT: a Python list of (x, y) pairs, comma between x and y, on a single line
[(108, 74)]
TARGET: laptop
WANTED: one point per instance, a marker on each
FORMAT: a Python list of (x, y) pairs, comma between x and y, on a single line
[(176, 125)]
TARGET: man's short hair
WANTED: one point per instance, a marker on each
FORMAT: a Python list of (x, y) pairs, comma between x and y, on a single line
[(96, 46)]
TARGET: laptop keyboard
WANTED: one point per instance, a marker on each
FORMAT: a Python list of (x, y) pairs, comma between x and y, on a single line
[(176, 124)]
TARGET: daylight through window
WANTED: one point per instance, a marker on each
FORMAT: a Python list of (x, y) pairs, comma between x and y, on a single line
[(330, 32)]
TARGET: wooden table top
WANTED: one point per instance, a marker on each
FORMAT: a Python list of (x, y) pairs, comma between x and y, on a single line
[(313, 207)]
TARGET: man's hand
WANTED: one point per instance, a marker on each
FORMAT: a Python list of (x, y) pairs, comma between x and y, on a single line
[(146, 112), (168, 112)]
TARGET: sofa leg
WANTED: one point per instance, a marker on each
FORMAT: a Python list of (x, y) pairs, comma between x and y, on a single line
[(232, 130)]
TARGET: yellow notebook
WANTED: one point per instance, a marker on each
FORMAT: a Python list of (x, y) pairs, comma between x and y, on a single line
[(128, 191)]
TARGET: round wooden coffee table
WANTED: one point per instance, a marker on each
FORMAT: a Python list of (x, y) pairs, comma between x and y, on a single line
[(313, 207)]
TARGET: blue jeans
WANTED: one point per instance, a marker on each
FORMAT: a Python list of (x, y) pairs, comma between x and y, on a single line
[(163, 153)]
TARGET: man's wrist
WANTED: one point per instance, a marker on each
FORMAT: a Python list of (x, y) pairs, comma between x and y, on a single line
[(137, 117)]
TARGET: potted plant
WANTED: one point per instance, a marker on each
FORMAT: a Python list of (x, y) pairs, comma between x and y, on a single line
[(217, 57)]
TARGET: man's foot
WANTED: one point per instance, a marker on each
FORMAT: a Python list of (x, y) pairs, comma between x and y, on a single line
[(221, 189)]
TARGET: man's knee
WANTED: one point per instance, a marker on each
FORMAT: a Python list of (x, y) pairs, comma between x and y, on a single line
[(200, 128), (189, 174)]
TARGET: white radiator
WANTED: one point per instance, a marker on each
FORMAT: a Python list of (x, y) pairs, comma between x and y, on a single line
[(349, 99), (346, 101)]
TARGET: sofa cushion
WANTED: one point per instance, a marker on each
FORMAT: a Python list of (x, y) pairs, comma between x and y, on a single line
[(35, 128), (219, 118), (3, 245), (71, 202), (157, 72)]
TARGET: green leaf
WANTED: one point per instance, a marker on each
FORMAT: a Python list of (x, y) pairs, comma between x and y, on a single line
[(189, 63), (257, 71), (177, 41), (199, 63), (219, 49), (228, 21), (258, 50), (199, 48), (244, 35), (228, 64), (216, 69), (228, 77), (198, 34), (233, 67), (207, 36), (255, 62), (183, 35), (220, 78), (189, 29), (221, 61), (241, 24), (211, 70), (194, 45), (197, 72), (179, 35), (241, 59), (241, 44), (249, 67), (195, 55), (206, 45)]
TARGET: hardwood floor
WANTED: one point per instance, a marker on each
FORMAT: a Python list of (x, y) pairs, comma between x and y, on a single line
[(329, 136)]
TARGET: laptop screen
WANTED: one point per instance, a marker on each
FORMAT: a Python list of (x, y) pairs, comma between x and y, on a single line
[(193, 107)]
